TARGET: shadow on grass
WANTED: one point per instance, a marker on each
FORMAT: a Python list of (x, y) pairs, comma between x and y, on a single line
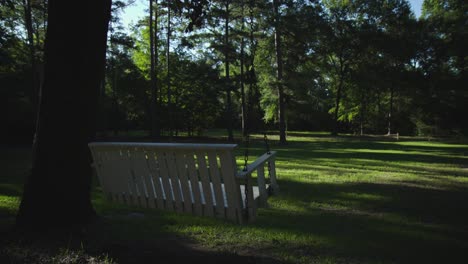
[(103, 242), (372, 152), (120, 235), (363, 143), (358, 221), (311, 169), (381, 221)]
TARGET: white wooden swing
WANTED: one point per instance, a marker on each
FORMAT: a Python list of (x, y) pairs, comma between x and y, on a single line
[(201, 179)]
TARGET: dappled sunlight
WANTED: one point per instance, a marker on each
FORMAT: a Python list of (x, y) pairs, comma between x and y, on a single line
[(8, 205), (340, 199)]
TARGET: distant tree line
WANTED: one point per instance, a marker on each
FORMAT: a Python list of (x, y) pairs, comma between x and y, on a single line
[(341, 66)]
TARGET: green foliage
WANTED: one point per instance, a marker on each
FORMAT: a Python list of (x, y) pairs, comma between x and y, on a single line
[(391, 69), (443, 64), (16, 83)]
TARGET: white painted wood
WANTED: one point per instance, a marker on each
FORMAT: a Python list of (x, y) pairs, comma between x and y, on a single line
[(108, 175), (132, 179), (206, 192), (102, 163), (250, 207), (173, 146), (174, 180), (183, 177), (261, 186), (274, 185), (141, 170), (135, 181), (119, 170), (101, 172), (258, 162), (152, 165), (181, 165), (164, 178), (194, 186), (256, 193), (232, 189), (216, 183)]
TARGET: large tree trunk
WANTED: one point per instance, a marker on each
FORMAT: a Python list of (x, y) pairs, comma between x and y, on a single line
[(279, 74), (57, 192)]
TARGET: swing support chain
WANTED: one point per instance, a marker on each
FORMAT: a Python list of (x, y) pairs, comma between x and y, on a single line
[(246, 160), (267, 146)]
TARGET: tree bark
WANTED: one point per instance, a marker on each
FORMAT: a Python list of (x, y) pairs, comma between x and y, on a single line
[(251, 75), (32, 53), (57, 192), (337, 105), (361, 113), (153, 57), (390, 112), (243, 110), (279, 74), (228, 81), (343, 67), (168, 64)]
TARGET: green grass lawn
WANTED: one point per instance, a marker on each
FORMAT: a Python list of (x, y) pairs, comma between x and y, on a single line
[(342, 200)]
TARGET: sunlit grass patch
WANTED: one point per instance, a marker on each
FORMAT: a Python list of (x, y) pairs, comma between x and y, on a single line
[(9, 204), (342, 200)]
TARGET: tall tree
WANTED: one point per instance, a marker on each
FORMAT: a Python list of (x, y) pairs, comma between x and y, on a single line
[(242, 77), (153, 28), (229, 110), (279, 71), (168, 65), (32, 50), (57, 192), (340, 49), (444, 65)]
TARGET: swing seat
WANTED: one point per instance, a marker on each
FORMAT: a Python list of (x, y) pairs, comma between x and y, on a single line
[(200, 179)]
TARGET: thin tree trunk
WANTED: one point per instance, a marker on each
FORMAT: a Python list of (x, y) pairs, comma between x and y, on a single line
[(32, 53), (341, 73), (251, 76), (176, 114), (361, 113), (228, 83), (57, 192), (390, 112), (154, 89), (337, 105), (44, 14), (157, 88), (243, 110), (100, 120), (169, 94), (113, 84), (279, 74), (115, 102)]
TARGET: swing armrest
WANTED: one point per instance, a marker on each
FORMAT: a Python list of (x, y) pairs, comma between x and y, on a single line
[(257, 163)]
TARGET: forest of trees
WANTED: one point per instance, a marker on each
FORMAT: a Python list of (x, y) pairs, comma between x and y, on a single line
[(362, 67)]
